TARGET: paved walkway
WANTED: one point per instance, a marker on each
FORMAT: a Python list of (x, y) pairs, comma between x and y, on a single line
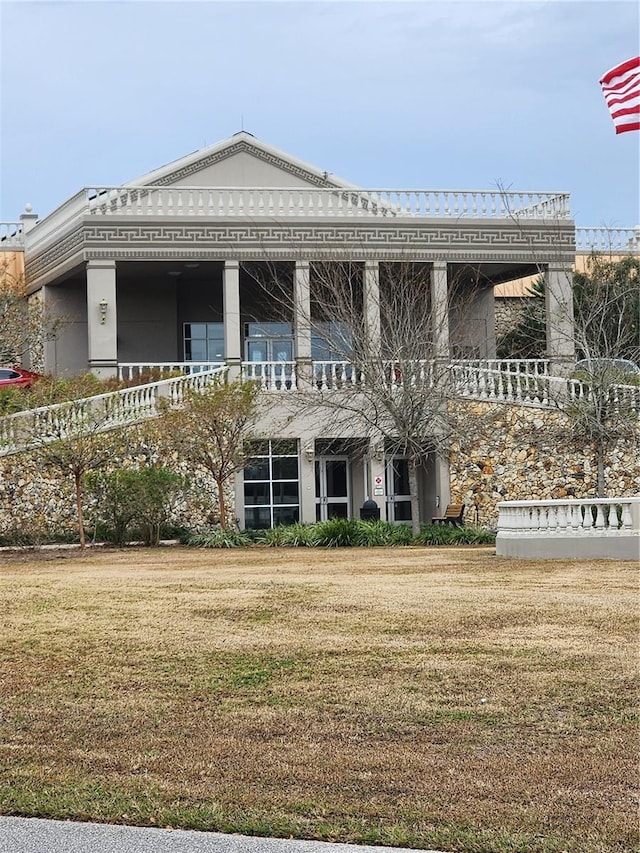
[(33, 835)]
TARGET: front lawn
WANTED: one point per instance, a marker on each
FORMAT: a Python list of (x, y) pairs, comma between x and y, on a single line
[(427, 697)]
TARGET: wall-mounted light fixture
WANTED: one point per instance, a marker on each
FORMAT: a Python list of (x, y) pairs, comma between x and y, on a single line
[(102, 309), (309, 452)]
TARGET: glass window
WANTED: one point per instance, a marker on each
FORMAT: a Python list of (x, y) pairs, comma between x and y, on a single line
[(285, 468), (257, 469), (271, 483), (268, 330), (285, 493), (204, 342), (331, 342), (285, 515), (257, 518), (256, 493)]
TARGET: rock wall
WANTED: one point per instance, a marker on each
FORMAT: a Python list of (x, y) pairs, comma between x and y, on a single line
[(512, 453), (37, 502), (520, 453)]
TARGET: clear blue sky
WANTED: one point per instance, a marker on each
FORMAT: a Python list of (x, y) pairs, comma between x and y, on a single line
[(384, 94)]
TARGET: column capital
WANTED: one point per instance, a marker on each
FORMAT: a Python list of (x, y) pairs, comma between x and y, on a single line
[(233, 264), (102, 263)]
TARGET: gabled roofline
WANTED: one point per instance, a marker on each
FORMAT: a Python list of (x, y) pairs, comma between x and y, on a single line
[(241, 141)]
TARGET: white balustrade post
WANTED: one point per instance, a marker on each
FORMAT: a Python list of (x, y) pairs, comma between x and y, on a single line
[(102, 318), (231, 310)]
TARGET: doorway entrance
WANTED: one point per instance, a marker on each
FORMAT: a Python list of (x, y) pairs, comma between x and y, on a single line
[(398, 493), (333, 498)]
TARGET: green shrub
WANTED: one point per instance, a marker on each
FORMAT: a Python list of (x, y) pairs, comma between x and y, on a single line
[(449, 534), (134, 500), (12, 399), (219, 538), (343, 533), (339, 533), (290, 535)]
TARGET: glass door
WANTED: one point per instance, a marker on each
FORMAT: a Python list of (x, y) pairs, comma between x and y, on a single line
[(332, 487), (398, 493)]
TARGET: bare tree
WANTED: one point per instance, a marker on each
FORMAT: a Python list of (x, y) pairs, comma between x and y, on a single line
[(601, 400), (210, 430), (379, 364), (23, 326), (72, 439)]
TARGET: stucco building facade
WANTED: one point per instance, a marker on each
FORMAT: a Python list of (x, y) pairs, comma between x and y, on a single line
[(173, 269)]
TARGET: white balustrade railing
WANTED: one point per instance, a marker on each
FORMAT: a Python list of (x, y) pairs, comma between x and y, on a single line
[(271, 375), (156, 370), (587, 516), (11, 236), (511, 384), (533, 366), (95, 414), (570, 528), (335, 375), (278, 202), (298, 202), (618, 241)]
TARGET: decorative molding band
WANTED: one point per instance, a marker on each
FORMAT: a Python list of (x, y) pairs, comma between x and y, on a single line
[(439, 242), (238, 148), (54, 255)]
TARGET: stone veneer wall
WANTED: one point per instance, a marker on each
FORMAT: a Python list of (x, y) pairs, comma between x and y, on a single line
[(525, 455), (518, 454), (39, 502)]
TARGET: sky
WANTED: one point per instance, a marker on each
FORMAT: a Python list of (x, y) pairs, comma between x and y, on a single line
[(397, 94)]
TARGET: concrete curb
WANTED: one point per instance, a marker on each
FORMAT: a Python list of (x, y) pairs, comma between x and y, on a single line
[(36, 835)]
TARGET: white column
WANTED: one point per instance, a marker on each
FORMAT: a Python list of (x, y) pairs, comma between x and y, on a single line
[(302, 323), (559, 315), (102, 318), (377, 478), (372, 304), (443, 483), (440, 309), (307, 478), (231, 309)]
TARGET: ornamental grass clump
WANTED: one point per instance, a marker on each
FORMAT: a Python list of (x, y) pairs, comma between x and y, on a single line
[(220, 538), (290, 536)]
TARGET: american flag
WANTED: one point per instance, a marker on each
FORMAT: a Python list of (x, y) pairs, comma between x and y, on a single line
[(621, 90)]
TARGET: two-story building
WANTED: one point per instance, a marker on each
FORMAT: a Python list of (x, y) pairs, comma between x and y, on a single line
[(173, 269)]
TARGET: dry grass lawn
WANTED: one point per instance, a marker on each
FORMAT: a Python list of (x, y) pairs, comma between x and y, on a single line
[(325, 694)]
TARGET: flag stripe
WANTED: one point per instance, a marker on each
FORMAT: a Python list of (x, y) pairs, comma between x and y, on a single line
[(621, 90), (618, 70)]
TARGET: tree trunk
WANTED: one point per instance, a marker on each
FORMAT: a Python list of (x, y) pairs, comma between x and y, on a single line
[(415, 498), (222, 504), (77, 478)]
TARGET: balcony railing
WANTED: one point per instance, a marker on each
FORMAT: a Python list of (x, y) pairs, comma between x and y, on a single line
[(130, 405), (134, 371), (277, 203), (98, 413), (311, 202), (616, 241), (271, 375), (11, 236)]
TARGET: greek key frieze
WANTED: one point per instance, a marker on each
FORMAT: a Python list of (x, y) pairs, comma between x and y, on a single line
[(237, 148), (458, 242)]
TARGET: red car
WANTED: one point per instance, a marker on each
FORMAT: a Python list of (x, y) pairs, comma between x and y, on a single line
[(17, 376)]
